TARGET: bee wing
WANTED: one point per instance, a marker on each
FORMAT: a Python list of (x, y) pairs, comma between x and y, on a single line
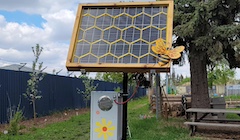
[(154, 49), (160, 46), (174, 54), (160, 42), (179, 48)]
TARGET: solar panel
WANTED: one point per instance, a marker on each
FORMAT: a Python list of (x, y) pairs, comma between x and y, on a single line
[(118, 37)]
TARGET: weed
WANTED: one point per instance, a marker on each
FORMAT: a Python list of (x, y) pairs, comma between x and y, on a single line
[(14, 126), (33, 129)]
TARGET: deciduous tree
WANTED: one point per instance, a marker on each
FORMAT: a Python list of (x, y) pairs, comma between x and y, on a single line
[(221, 74), (32, 92), (89, 87)]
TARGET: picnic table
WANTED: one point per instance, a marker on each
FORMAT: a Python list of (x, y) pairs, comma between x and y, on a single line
[(204, 120)]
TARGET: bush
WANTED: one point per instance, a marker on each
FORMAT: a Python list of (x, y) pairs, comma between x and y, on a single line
[(14, 126)]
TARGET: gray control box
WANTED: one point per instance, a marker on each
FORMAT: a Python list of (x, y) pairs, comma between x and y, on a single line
[(106, 116)]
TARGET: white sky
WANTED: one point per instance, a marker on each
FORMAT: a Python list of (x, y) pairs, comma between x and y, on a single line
[(54, 34)]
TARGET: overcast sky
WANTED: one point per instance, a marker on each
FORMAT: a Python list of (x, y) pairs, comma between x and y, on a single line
[(25, 23)]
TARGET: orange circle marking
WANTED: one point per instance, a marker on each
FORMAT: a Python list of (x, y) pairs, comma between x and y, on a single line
[(97, 112), (104, 129)]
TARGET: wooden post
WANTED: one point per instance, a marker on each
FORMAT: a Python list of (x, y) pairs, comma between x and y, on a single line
[(166, 111)]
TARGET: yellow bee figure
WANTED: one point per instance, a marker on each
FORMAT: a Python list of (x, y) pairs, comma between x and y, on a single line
[(165, 53)]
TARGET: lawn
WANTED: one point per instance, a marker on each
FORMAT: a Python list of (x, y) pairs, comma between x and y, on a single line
[(232, 98), (78, 127)]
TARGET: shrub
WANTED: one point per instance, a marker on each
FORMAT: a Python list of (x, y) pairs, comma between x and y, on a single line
[(14, 126)]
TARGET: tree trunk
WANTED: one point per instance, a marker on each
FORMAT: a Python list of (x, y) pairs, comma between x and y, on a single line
[(199, 83), (86, 103), (225, 90), (34, 110)]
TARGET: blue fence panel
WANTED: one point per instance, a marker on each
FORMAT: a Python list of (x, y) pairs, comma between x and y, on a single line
[(140, 92), (58, 93), (13, 86)]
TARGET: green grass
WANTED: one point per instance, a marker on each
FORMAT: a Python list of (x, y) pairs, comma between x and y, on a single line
[(232, 98), (153, 129), (233, 116), (78, 127)]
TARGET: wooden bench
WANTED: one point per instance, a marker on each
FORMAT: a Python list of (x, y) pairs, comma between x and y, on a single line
[(219, 120), (193, 125), (200, 117)]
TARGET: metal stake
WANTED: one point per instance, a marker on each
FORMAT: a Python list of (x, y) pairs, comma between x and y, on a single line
[(125, 97)]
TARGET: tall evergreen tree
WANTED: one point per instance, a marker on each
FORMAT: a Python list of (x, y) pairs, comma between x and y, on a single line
[(210, 31)]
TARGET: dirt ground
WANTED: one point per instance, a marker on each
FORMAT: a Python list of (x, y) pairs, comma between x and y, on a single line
[(43, 121), (218, 133)]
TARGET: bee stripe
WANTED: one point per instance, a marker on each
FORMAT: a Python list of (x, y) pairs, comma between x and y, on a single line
[(163, 60)]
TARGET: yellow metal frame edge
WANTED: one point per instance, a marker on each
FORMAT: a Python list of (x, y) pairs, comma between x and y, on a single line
[(118, 67)]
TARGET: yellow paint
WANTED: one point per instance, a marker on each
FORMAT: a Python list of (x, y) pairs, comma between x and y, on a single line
[(165, 51), (162, 48), (104, 129)]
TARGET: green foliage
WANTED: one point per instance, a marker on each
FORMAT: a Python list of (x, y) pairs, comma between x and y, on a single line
[(32, 92), (83, 76), (14, 125), (233, 116), (185, 80), (179, 80), (208, 30), (210, 26), (99, 76), (221, 74), (232, 98), (118, 89), (36, 76), (15, 117), (225, 74), (89, 87), (115, 77)]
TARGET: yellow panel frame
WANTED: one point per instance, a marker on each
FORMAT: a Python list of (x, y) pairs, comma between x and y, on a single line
[(119, 67)]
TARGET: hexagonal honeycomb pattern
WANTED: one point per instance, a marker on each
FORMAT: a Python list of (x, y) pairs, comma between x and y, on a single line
[(139, 48), (119, 48), (119, 34), (100, 48), (131, 34)]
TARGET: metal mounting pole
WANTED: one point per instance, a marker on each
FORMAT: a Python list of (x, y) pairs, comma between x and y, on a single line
[(125, 96), (158, 97)]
